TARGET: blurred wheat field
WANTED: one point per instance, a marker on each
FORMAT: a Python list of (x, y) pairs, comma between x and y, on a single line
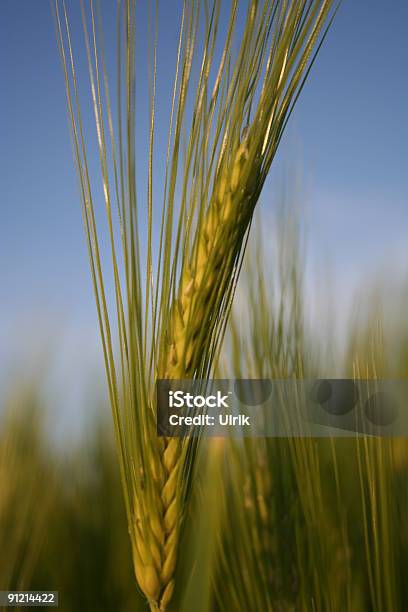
[(123, 520), (289, 524)]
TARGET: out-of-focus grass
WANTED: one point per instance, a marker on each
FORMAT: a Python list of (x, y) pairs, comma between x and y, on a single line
[(27, 488), (292, 552), (62, 523), (320, 521), (88, 557)]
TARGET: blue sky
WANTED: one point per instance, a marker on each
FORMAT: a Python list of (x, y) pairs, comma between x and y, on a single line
[(348, 135)]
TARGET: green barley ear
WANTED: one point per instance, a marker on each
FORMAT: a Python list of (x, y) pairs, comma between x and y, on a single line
[(173, 291), (374, 457), (293, 545)]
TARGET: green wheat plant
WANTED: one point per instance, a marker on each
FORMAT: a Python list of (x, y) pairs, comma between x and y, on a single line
[(280, 493), (322, 522), (233, 94), (25, 502), (379, 497)]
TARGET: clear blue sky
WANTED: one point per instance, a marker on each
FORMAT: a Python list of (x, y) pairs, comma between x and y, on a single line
[(350, 130)]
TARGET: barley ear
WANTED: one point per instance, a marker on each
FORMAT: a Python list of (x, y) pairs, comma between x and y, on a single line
[(173, 292)]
